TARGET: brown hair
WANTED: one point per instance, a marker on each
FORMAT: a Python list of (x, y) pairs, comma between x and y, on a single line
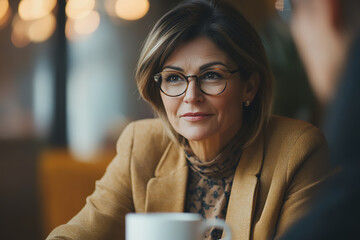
[(231, 33)]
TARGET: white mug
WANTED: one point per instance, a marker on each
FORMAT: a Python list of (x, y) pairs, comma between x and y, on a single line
[(170, 226)]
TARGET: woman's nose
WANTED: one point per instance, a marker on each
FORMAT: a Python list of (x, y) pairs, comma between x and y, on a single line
[(193, 92)]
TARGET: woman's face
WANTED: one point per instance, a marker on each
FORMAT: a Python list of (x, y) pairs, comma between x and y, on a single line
[(195, 115)]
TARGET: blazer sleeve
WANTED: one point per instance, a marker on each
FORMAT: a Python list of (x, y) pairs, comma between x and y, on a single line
[(103, 216), (308, 166)]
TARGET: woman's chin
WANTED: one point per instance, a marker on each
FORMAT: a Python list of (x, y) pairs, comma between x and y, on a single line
[(195, 136)]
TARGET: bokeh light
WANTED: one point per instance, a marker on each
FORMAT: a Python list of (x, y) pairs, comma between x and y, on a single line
[(131, 9), (35, 20), (40, 30), (88, 24), (76, 28), (5, 13), (35, 9), (4, 6), (19, 35), (76, 9), (110, 7), (279, 5)]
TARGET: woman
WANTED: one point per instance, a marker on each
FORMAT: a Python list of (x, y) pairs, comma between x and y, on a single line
[(214, 150)]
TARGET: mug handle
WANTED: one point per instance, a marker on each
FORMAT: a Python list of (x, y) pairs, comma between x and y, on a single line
[(217, 223)]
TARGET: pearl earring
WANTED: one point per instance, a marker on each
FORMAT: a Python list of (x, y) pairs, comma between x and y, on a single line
[(247, 103)]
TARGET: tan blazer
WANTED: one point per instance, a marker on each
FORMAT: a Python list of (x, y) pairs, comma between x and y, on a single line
[(273, 183)]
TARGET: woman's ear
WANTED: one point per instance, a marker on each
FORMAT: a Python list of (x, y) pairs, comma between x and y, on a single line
[(251, 87)]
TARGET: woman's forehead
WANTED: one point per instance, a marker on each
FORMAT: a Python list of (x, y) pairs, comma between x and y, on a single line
[(196, 54)]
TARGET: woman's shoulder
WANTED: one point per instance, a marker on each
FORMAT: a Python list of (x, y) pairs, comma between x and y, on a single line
[(289, 124), (287, 129), (290, 142), (148, 125), (144, 142), (145, 132)]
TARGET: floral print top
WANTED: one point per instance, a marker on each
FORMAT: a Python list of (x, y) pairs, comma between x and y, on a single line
[(209, 184)]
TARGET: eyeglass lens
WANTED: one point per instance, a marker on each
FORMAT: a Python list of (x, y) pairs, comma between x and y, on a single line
[(211, 82)]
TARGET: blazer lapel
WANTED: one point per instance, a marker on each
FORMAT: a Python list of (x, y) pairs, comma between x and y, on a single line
[(243, 193), (166, 191)]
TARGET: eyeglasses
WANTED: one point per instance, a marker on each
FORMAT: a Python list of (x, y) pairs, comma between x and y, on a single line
[(210, 82)]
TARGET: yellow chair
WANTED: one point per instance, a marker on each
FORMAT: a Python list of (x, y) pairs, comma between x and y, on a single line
[(65, 183)]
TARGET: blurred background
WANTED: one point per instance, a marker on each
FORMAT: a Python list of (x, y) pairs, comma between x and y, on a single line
[(67, 90)]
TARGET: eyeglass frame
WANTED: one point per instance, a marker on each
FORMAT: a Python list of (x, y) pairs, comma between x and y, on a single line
[(196, 76)]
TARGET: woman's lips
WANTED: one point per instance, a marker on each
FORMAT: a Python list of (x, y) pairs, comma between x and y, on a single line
[(193, 117)]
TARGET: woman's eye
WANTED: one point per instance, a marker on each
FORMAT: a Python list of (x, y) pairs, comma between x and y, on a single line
[(173, 78), (211, 76)]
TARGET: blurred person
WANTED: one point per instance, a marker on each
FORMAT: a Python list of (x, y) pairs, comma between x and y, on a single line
[(327, 33), (215, 149)]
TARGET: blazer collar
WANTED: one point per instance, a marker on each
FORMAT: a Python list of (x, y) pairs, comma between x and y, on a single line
[(166, 192), (243, 192)]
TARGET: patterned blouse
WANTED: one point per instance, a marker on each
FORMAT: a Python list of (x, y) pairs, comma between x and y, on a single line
[(209, 183)]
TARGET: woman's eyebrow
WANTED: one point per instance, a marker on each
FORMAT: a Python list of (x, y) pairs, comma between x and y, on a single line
[(174, 68), (201, 68), (207, 65)]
